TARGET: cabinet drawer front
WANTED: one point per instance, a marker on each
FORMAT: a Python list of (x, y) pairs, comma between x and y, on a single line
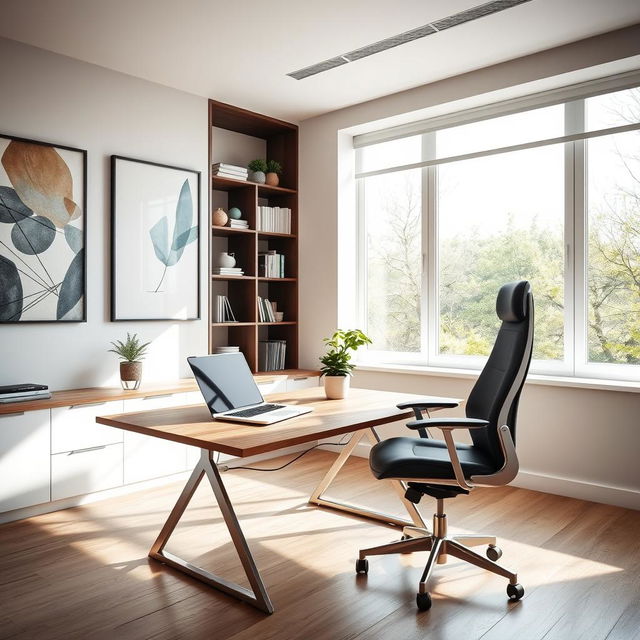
[(154, 402), (146, 457), (276, 384), (86, 471), (24, 459), (301, 382), (75, 427)]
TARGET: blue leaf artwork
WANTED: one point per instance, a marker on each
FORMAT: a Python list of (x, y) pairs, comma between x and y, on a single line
[(41, 252), (183, 233)]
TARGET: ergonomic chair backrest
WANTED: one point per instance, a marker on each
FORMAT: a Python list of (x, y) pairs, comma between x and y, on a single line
[(496, 393)]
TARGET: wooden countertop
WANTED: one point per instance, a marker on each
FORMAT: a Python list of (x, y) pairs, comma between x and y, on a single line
[(92, 395)]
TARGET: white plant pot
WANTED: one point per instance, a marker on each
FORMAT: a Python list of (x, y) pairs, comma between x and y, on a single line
[(336, 387)]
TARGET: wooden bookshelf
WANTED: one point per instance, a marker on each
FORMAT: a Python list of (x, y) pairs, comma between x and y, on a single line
[(281, 140)]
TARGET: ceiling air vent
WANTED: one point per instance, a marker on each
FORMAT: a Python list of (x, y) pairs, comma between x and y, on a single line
[(408, 36)]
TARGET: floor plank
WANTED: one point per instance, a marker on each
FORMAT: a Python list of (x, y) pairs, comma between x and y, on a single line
[(84, 572)]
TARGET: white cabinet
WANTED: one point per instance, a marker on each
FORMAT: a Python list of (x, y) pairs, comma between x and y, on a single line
[(75, 427), (147, 457), (83, 471), (276, 384), (301, 382), (24, 459)]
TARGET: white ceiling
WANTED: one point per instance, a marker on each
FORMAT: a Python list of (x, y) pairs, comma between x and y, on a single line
[(240, 52)]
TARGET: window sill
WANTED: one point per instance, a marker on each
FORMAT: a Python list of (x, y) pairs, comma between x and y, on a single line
[(536, 379)]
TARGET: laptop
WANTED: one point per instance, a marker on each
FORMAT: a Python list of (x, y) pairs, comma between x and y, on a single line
[(231, 393)]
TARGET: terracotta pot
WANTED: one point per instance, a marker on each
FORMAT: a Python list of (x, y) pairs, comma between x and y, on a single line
[(130, 375), (336, 387), (219, 218), (272, 179)]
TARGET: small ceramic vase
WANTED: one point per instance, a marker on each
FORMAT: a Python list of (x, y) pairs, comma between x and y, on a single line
[(235, 213), (219, 218), (272, 179), (258, 176), (226, 260)]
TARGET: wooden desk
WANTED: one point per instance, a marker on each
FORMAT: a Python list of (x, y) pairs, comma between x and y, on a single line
[(359, 414)]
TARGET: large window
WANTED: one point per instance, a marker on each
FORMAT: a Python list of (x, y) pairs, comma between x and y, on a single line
[(551, 195)]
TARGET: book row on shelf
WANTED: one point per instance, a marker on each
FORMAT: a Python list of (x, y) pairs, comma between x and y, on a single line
[(224, 170), (271, 355), (274, 219), (266, 310), (224, 312), (270, 265), (227, 271)]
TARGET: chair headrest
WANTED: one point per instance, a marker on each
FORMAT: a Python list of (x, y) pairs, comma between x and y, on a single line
[(511, 305)]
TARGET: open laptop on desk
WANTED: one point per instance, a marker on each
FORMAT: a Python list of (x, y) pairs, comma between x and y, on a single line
[(231, 393)]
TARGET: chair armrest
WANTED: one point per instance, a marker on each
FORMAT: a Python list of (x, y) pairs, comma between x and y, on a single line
[(448, 424), (429, 403)]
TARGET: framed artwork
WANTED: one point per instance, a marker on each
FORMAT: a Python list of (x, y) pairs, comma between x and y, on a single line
[(155, 248), (43, 231)]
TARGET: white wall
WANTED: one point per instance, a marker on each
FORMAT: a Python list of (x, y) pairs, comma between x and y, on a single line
[(575, 441), (57, 99)]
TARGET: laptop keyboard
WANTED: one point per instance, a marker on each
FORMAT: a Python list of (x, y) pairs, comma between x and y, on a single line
[(255, 411)]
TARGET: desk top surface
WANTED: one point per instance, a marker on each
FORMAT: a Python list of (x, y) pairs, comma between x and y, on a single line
[(194, 426)]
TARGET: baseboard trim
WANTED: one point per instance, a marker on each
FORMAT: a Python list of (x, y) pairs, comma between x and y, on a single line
[(606, 494), (580, 489)]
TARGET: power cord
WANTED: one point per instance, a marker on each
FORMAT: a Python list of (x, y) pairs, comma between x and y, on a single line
[(286, 464)]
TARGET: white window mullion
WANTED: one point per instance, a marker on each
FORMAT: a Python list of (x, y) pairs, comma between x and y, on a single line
[(430, 253)]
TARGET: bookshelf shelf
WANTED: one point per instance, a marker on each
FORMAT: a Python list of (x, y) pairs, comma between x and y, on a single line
[(280, 142)]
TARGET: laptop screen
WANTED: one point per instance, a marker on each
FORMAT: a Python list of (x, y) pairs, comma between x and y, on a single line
[(225, 381)]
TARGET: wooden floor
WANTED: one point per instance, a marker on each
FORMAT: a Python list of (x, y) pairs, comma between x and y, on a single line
[(84, 572)]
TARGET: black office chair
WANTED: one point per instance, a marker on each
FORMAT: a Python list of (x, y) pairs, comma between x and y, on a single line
[(444, 469)]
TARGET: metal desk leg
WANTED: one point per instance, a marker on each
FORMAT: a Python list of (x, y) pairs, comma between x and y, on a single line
[(398, 486), (258, 597)]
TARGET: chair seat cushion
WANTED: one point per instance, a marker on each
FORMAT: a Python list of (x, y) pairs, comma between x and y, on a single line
[(425, 458)]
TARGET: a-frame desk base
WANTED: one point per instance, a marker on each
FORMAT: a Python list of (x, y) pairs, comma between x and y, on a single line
[(258, 596)]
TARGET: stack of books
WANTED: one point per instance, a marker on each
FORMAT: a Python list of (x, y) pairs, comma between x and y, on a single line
[(229, 349), (238, 224), (274, 219), (224, 312), (271, 355), (224, 170), (23, 392), (227, 271), (270, 265), (266, 310)]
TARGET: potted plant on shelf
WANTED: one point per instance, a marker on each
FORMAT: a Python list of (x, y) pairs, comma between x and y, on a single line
[(258, 168), (336, 363), (131, 352), (274, 169)]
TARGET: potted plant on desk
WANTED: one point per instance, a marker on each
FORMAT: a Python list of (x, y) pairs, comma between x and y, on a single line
[(131, 352), (336, 363)]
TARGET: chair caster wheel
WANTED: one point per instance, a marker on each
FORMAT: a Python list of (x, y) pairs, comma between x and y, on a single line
[(362, 566), (423, 600), (494, 553), (515, 591)]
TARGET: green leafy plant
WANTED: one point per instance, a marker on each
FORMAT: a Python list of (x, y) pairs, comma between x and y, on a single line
[(274, 167), (131, 350), (258, 165), (336, 362)]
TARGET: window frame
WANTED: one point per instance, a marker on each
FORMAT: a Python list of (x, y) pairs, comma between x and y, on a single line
[(575, 361)]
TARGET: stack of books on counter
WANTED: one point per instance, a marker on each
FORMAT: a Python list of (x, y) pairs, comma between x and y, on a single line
[(223, 170), (224, 312), (271, 355), (271, 265), (228, 349), (274, 219), (238, 224), (23, 392), (266, 310), (227, 271)]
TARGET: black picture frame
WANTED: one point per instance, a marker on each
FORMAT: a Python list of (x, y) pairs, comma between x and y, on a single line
[(119, 311), (30, 274)]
